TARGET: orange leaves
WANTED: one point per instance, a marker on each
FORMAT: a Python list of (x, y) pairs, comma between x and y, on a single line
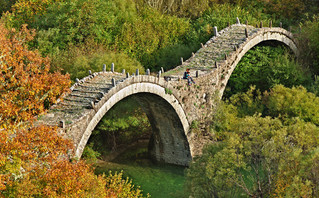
[(41, 143), (25, 81), (62, 179), (34, 161), (73, 179)]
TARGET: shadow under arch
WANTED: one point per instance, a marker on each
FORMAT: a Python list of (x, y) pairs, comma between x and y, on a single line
[(170, 142)]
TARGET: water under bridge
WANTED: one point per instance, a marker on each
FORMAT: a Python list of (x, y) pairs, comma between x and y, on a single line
[(169, 103)]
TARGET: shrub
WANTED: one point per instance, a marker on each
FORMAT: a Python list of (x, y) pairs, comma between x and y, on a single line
[(259, 155), (78, 61), (309, 44), (265, 67)]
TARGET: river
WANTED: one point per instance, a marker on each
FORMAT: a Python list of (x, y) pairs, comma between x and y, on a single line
[(159, 180)]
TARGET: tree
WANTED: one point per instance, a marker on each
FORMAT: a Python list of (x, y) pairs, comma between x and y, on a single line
[(26, 86), (25, 11), (258, 155), (309, 43), (34, 159), (264, 67), (5, 5)]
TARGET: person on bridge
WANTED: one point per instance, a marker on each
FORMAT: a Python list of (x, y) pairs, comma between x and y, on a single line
[(188, 77)]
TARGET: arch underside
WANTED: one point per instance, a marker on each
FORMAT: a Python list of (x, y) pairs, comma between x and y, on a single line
[(169, 142)]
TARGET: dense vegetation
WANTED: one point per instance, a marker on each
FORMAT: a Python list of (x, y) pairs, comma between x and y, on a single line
[(266, 66), (124, 124), (266, 137), (34, 160), (266, 145)]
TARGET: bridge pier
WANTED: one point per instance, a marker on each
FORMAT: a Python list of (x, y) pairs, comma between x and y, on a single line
[(168, 143)]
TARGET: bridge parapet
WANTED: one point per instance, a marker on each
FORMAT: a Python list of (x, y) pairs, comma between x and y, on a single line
[(170, 104), (228, 42)]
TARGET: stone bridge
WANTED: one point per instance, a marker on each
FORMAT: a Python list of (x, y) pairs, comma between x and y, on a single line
[(169, 103)]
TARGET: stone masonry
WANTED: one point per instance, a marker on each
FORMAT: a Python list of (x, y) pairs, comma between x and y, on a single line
[(170, 104)]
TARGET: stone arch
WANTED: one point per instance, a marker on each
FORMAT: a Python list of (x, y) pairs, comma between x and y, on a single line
[(168, 120), (264, 35)]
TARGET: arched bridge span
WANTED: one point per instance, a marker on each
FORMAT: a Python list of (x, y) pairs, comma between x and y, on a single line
[(170, 104)]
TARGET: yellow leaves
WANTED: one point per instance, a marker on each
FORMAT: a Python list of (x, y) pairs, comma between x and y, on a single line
[(34, 160), (119, 187), (27, 80)]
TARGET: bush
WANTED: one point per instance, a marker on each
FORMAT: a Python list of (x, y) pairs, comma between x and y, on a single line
[(119, 187), (78, 61), (149, 34), (309, 44), (259, 155), (294, 102), (220, 16), (265, 67), (89, 154), (282, 102)]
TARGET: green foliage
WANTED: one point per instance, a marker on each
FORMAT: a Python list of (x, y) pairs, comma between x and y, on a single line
[(123, 124), (143, 34), (124, 116), (220, 15), (248, 103), (168, 91), (294, 102), (5, 5), (287, 11), (314, 87), (261, 156), (78, 61), (309, 43), (72, 22), (194, 124), (265, 67), (284, 103), (89, 154), (149, 34), (198, 184)]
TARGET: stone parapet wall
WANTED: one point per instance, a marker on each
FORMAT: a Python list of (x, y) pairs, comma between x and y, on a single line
[(170, 104)]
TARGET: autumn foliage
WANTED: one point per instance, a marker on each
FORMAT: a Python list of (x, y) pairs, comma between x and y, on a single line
[(34, 160), (35, 164), (25, 82)]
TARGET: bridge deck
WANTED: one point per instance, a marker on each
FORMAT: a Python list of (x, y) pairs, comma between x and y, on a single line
[(229, 42), (214, 50), (74, 104), (170, 105)]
